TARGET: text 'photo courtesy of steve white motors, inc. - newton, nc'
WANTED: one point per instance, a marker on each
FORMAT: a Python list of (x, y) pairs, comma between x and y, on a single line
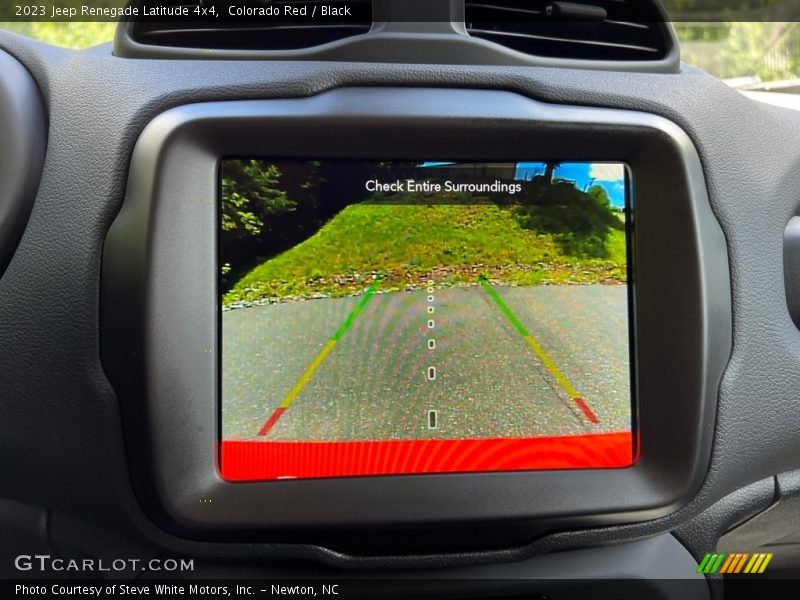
[(172, 590)]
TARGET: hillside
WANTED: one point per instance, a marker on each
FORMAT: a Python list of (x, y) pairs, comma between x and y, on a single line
[(405, 245)]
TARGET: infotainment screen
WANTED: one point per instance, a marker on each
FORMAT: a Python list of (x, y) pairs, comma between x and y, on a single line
[(434, 316)]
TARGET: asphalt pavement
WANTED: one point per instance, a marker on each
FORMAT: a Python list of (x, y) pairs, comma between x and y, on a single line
[(454, 351)]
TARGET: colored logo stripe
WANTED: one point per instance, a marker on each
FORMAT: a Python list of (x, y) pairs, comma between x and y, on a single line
[(758, 563), (317, 362), (701, 568), (738, 562), (739, 565), (734, 563), (726, 565), (562, 380)]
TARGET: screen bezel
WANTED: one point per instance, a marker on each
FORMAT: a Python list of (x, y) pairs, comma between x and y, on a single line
[(630, 334), (159, 289)]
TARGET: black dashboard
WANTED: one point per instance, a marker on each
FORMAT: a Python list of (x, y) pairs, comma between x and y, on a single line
[(110, 330)]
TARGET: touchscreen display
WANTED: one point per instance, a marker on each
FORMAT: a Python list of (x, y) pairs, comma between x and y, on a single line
[(406, 317)]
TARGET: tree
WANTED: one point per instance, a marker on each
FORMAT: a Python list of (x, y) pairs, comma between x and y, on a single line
[(249, 196), (252, 204), (550, 170), (580, 221)]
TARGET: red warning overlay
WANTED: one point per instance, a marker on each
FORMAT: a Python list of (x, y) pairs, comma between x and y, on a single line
[(260, 461)]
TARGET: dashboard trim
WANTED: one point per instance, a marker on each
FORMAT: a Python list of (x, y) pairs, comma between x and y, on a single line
[(159, 346), (23, 142)]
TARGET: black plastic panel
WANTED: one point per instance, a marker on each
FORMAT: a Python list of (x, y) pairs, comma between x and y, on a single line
[(410, 31), (791, 268), (61, 431), (160, 299), (776, 530), (23, 137)]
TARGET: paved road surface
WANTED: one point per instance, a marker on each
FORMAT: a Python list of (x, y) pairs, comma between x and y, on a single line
[(374, 385)]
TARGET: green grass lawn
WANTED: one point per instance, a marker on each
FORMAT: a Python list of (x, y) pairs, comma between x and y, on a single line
[(406, 245)]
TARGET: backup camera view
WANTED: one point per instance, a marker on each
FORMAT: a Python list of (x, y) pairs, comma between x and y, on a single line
[(420, 317)]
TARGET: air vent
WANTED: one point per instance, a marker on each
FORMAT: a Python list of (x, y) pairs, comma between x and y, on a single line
[(251, 28), (610, 30)]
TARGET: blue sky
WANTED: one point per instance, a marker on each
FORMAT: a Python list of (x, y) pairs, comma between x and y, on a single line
[(609, 176)]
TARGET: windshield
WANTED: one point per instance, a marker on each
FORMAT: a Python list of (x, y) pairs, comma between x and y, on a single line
[(70, 34), (746, 55)]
